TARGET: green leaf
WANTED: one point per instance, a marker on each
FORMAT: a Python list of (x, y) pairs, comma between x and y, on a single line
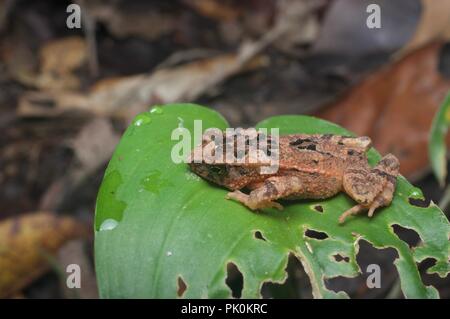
[(158, 224), (437, 149)]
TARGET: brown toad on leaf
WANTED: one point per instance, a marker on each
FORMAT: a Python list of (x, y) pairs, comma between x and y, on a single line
[(309, 166)]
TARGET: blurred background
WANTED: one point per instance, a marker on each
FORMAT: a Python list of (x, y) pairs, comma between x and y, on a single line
[(67, 94)]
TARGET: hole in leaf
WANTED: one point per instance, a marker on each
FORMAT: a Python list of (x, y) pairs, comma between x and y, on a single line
[(315, 234), (259, 235), (181, 287), (339, 258), (357, 287), (318, 208), (234, 280), (296, 285), (427, 263), (418, 202), (410, 236), (433, 279)]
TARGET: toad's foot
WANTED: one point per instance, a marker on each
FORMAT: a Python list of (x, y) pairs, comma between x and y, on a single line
[(372, 188), (352, 211), (250, 201), (357, 209), (378, 202)]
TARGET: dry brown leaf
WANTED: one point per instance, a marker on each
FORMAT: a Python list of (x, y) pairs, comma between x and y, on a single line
[(26, 242), (50, 103), (395, 107), (215, 9), (58, 60), (63, 56), (183, 83), (302, 20), (95, 143), (124, 20), (434, 25), (130, 95), (93, 146)]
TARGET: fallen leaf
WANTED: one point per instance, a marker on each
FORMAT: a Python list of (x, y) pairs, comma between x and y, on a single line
[(93, 146), (95, 142), (127, 96), (26, 242), (50, 103), (303, 23), (123, 19), (183, 83), (57, 62), (215, 9), (434, 25), (395, 107)]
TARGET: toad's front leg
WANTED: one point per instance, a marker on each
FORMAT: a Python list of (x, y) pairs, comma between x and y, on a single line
[(273, 188), (371, 188)]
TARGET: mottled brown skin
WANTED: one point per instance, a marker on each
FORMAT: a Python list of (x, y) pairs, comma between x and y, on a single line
[(311, 166)]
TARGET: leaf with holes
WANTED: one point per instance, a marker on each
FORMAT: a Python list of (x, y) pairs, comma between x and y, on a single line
[(162, 232)]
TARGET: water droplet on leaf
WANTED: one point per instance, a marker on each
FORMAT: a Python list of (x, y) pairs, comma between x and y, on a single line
[(157, 110), (108, 224), (416, 194), (142, 119)]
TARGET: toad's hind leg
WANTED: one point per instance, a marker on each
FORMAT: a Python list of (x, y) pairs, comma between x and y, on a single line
[(388, 169), (372, 188), (273, 188)]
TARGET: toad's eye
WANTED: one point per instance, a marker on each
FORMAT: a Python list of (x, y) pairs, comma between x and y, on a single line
[(218, 170), (304, 144), (301, 141)]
